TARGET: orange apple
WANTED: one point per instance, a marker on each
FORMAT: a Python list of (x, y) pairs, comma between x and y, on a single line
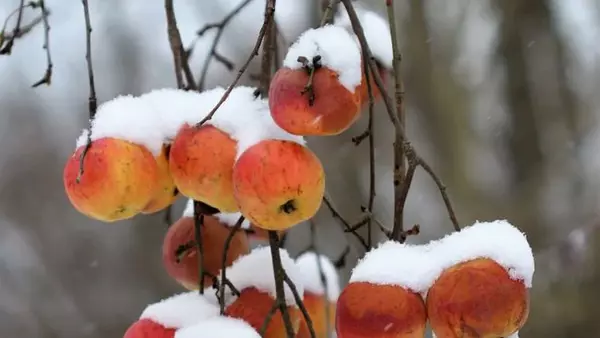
[(184, 269), (201, 163), (333, 110), (118, 181), (278, 184), (379, 311), (146, 328), (253, 306), (166, 193), (477, 298)]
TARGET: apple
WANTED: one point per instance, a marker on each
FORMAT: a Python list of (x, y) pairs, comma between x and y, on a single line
[(278, 184), (253, 306), (477, 298), (184, 269), (333, 110), (166, 192), (380, 311), (201, 164), (119, 179)]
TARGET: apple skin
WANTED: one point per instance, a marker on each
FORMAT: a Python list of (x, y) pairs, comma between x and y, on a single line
[(146, 328), (166, 192), (214, 234), (253, 306), (278, 184), (379, 311), (316, 305), (201, 164), (477, 298), (334, 109), (118, 180)]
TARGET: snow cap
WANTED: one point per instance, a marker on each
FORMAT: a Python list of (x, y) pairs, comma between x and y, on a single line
[(153, 119), (337, 48), (377, 33), (228, 218), (497, 240), (256, 270), (180, 310), (308, 264), (218, 327), (392, 263)]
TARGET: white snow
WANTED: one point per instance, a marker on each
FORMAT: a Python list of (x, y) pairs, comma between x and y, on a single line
[(416, 267), (218, 327), (127, 118), (337, 48), (392, 263), (308, 264), (256, 270), (377, 33), (229, 218), (497, 240), (181, 310), (154, 118)]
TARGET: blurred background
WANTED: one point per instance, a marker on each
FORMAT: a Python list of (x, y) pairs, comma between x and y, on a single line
[(502, 99)]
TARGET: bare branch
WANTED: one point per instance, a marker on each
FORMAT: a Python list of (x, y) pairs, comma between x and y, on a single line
[(92, 100), (220, 26), (180, 57), (280, 275), (232, 232), (47, 78), (7, 48), (269, 13), (345, 223)]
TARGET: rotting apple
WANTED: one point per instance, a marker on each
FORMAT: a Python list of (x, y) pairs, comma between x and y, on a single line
[(119, 179), (278, 184)]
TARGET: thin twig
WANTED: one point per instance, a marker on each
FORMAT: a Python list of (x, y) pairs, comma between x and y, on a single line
[(179, 55), (220, 26), (226, 246), (92, 100), (268, 317), (300, 304), (47, 78), (322, 277), (371, 136), (23, 30), (279, 275), (328, 12), (267, 58), (345, 223), (7, 49), (198, 223), (269, 12), (391, 110)]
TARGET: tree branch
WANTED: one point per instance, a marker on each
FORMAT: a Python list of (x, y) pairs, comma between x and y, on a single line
[(92, 100), (345, 223), (220, 27), (280, 275), (7, 49), (269, 14), (226, 245), (179, 55), (401, 142), (47, 78)]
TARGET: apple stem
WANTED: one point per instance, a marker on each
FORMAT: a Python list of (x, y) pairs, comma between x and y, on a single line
[(310, 68), (198, 222)]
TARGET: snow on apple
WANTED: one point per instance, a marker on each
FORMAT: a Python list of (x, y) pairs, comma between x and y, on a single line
[(163, 318), (253, 276), (218, 327), (314, 93)]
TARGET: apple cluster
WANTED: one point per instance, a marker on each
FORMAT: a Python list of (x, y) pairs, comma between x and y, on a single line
[(192, 314), (472, 283)]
